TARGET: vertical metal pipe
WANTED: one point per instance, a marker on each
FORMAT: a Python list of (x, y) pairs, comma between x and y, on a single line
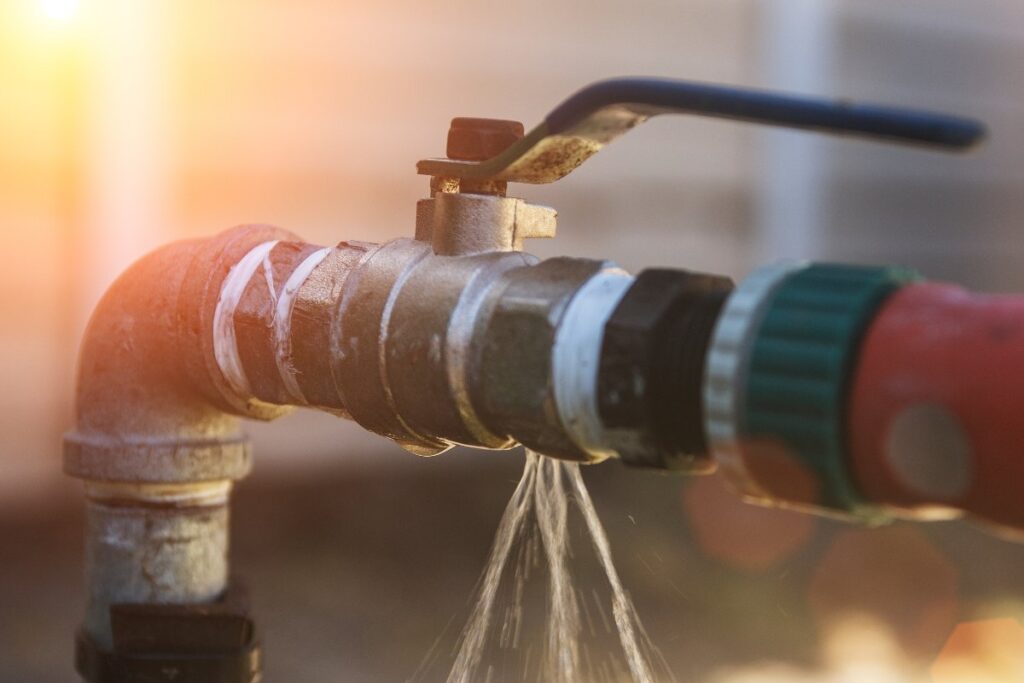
[(153, 544)]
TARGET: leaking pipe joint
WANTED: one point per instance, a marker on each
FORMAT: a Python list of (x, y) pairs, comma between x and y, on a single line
[(571, 357)]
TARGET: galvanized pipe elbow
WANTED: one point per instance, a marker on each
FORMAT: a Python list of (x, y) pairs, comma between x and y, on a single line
[(148, 406), (156, 441)]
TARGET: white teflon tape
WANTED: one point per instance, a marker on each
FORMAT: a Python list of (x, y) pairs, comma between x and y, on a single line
[(283, 321), (576, 357), (725, 369), (225, 343)]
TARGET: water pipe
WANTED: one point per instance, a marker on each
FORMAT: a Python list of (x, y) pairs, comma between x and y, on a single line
[(457, 337)]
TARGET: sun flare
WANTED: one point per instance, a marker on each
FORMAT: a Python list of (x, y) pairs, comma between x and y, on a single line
[(59, 10)]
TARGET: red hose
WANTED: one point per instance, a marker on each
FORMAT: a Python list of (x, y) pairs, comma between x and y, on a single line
[(935, 410)]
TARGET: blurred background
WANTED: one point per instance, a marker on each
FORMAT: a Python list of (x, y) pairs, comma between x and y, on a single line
[(127, 124)]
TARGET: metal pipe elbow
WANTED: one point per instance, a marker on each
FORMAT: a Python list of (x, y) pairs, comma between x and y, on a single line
[(151, 405), (157, 440)]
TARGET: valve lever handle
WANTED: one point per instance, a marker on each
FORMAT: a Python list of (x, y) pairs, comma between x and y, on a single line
[(580, 126)]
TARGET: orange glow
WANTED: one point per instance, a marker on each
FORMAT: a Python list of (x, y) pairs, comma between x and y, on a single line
[(897, 577), (59, 10), (857, 649), (989, 651), (741, 535)]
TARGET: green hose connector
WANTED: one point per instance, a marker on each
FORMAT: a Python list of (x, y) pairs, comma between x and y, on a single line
[(801, 359)]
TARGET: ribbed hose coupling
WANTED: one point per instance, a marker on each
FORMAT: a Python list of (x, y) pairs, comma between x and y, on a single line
[(777, 379)]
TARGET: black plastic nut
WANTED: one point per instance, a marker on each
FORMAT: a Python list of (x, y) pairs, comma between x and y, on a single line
[(207, 643), (652, 367)]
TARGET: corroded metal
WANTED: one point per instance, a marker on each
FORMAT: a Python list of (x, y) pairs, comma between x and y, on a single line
[(153, 544), (475, 139)]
